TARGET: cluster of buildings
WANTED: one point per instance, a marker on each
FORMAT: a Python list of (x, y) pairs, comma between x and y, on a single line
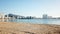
[(19, 16), (2, 16), (45, 16), (13, 16)]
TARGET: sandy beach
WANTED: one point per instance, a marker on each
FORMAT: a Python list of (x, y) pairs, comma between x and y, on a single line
[(23, 28)]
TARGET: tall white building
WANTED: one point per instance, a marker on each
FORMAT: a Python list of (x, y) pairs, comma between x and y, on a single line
[(2, 15)]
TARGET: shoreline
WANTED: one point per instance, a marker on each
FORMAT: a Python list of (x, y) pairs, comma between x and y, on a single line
[(22, 28)]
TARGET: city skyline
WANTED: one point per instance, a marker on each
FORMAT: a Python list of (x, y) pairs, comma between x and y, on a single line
[(31, 7)]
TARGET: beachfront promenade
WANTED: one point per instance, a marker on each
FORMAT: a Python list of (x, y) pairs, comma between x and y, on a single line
[(25, 28)]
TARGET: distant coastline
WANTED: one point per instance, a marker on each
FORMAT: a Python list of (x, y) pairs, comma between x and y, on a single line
[(13, 16)]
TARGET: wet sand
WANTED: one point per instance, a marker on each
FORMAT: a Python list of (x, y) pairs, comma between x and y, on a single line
[(23, 28)]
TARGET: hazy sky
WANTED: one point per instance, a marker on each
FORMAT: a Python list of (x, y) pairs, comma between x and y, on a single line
[(31, 7)]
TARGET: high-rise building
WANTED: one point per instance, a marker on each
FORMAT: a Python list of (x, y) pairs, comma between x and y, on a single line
[(45, 16)]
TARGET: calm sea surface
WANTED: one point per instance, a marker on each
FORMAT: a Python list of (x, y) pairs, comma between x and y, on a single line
[(33, 21)]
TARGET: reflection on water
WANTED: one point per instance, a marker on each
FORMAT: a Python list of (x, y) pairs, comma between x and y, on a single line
[(34, 21)]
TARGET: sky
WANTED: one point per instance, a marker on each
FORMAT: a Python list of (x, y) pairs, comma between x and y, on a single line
[(31, 7)]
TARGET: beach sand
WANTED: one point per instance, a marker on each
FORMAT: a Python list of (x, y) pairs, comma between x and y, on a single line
[(25, 28)]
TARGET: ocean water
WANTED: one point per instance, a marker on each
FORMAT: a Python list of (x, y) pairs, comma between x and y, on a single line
[(33, 21)]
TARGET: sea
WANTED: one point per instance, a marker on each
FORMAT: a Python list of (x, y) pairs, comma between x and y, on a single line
[(33, 21)]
